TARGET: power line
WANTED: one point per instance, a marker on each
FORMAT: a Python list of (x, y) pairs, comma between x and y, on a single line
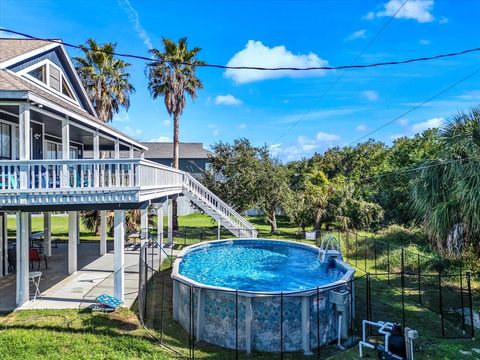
[(313, 68), (372, 40), (451, 86)]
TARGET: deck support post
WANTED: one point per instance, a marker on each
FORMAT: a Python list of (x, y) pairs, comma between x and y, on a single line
[(78, 227), (103, 232), (219, 229), (143, 225), (118, 263), (3, 244), (23, 290), (72, 241), (47, 232), (170, 221)]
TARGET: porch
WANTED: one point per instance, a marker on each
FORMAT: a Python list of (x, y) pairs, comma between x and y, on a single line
[(59, 290)]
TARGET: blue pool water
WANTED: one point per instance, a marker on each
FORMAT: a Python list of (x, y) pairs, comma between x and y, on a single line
[(258, 265)]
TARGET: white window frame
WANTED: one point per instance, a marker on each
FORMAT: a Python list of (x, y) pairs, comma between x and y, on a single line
[(46, 86)]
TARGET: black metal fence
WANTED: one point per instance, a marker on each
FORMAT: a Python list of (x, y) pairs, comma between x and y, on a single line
[(392, 285), (417, 279)]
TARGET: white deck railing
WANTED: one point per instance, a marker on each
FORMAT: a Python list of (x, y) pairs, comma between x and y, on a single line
[(86, 174)]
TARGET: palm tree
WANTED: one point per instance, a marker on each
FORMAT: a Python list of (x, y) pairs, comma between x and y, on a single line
[(445, 194), (173, 75), (106, 81), (105, 78)]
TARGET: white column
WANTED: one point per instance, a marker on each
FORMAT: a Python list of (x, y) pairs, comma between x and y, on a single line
[(23, 291), (144, 225), (306, 325), (103, 232), (72, 241), (96, 156), (160, 225), (118, 262), (65, 149), (3, 246), (117, 166), (219, 229), (132, 152), (170, 221), (78, 227), (24, 141), (47, 232)]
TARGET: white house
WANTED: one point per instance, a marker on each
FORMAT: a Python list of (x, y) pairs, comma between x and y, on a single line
[(47, 126)]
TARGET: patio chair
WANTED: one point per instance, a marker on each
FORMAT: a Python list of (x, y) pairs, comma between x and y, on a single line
[(12, 259), (35, 256), (107, 303)]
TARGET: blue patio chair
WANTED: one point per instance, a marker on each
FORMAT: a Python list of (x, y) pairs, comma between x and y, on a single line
[(107, 303)]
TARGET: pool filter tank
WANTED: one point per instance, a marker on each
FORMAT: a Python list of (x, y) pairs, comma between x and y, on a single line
[(341, 300)]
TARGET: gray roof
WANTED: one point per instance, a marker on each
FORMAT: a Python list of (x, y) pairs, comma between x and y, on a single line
[(164, 150), (12, 48)]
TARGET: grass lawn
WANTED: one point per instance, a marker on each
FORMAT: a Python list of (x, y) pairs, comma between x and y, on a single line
[(71, 334)]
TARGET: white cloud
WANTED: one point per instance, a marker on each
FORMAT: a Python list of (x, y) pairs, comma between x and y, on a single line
[(242, 126), (227, 100), (166, 122), (7, 35), (257, 54), (304, 146), (132, 131), (443, 20), (370, 95), (424, 42), (403, 121), (428, 124), (316, 115), (216, 132), (362, 128), (134, 19), (162, 139), (359, 34), (419, 10)]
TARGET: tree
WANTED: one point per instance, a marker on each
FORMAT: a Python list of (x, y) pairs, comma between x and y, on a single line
[(298, 208), (317, 191), (172, 75), (105, 78), (445, 193)]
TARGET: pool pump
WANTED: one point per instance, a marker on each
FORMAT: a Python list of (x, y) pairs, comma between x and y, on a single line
[(341, 301), (398, 344)]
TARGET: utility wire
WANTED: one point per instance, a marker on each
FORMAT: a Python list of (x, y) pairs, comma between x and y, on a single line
[(372, 40), (451, 86), (313, 68)]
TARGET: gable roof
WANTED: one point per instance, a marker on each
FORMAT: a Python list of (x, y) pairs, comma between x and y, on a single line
[(164, 150), (11, 48)]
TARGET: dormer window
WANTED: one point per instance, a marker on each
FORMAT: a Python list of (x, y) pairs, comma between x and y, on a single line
[(39, 73), (48, 74)]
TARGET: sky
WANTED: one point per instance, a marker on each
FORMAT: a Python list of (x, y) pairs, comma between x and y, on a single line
[(294, 113)]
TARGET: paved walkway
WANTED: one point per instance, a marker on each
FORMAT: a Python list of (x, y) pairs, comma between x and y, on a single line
[(79, 290)]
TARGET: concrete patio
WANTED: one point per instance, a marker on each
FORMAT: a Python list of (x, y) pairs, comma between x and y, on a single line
[(94, 277)]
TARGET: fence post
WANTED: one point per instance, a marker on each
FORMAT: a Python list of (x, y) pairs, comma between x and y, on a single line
[(367, 290), (356, 250), (419, 280), (375, 256), (470, 303), (461, 300), (162, 307), (388, 263), (146, 283), (440, 300), (236, 324), (366, 253), (402, 283), (281, 325)]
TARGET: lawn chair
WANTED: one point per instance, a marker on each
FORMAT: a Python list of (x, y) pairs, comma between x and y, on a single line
[(35, 256), (106, 303)]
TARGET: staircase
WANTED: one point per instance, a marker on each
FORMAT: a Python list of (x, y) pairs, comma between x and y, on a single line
[(216, 208)]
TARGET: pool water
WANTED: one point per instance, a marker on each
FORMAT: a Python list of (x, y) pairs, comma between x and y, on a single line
[(261, 266)]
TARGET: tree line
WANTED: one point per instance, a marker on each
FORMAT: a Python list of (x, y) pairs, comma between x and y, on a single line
[(431, 179)]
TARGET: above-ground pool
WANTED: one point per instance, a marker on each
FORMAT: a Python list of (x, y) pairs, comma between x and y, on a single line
[(262, 295)]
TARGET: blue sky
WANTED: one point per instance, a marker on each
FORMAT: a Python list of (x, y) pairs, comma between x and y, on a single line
[(293, 113)]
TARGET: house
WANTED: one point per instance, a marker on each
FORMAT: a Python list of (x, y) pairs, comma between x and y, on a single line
[(193, 158), (50, 148)]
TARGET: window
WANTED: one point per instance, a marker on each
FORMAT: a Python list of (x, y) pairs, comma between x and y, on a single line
[(55, 78), (5, 141), (66, 89), (54, 150), (40, 73), (73, 152)]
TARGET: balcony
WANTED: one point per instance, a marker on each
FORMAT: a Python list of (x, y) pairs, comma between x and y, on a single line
[(86, 181)]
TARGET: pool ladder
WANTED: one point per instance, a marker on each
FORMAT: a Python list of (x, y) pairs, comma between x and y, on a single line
[(329, 247)]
